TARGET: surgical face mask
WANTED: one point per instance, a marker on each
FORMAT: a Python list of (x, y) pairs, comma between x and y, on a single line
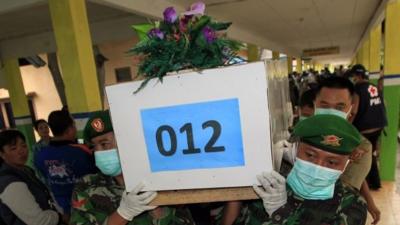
[(311, 181), (329, 111), (108, 162)]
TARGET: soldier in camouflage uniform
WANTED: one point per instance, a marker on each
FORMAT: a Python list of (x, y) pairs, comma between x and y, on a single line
[(300, 211), (101, 199), (312, 193)]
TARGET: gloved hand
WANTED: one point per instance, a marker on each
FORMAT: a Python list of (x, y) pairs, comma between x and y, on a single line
[(133, 204), (273, 192)]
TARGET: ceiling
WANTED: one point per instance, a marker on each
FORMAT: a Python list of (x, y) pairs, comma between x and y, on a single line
[(300, 24), (27, 30), (287, 26), (36, 19)]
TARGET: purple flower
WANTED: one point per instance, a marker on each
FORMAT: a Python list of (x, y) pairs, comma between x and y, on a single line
[(155, 33), (170, 15), (196, 8), (209, 34)]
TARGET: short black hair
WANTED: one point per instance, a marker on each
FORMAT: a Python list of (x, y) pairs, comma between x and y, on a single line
[(37, 122), (307, 98), (9, 137), (60, 121), (336, 82)]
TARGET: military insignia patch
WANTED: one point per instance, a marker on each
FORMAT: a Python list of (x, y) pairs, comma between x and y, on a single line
[(98, 125), (331, 140)]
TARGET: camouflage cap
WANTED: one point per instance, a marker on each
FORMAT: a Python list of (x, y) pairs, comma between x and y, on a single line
[(98, 124), (329, 133)]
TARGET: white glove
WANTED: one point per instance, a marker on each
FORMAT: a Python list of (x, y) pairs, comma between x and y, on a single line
[(273, 192), (133, 204)]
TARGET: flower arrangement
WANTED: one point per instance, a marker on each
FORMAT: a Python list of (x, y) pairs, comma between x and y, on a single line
[(190, 41)]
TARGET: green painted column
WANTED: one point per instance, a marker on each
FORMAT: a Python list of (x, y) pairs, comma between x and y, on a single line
[(19, 102), (75, 54), (389, 145)]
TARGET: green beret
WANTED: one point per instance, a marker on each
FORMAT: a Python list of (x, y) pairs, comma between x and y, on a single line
[(98, 124), (329, 133)]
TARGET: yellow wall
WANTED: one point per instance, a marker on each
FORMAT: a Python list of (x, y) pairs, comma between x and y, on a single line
[(39, 81), (115, 52)]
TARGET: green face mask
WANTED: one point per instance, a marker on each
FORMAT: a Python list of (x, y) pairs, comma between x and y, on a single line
[(108, 162)]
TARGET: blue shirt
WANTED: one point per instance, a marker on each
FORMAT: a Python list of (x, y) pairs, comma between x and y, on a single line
[(62, 164)]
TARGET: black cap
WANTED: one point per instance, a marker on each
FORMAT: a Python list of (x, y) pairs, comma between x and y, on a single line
[(359, 70)]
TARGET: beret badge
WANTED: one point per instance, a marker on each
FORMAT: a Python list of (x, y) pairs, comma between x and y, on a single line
[(98, 125), (331, 140)]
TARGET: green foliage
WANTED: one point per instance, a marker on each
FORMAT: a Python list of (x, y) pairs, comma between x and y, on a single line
[(142, 29), (188, 43)]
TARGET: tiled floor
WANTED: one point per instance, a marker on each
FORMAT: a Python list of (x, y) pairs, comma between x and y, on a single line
[(387, 200)]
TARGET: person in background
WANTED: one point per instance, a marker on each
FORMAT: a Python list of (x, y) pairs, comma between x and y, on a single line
[(43, 130), (63, 162), (24, 199), (100, 198), (370, 117), (380, 81), (306, 104), (293, 90)]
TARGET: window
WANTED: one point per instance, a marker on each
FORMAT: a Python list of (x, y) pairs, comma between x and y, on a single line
[(10, 114), (7, 119), (123, 74), (2, 122)]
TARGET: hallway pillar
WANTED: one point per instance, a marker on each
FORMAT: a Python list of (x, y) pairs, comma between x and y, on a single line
[(75, 54)]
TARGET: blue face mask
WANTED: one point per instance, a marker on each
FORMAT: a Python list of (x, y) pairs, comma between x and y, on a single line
[(328, 111), (311, 181), (108, 162)]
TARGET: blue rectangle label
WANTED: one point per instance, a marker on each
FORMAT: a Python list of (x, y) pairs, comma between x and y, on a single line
[(194, 136)]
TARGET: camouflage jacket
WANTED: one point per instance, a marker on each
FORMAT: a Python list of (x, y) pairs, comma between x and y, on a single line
[(97, 196), (346, 207)]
